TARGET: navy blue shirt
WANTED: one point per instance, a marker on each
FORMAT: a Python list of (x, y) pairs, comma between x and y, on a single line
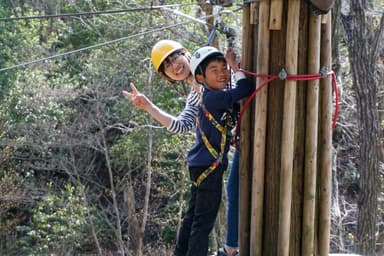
[(217, 102)]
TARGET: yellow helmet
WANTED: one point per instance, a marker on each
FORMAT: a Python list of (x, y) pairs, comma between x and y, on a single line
[(162, 49)]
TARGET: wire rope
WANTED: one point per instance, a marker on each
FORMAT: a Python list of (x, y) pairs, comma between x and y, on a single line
[(104, 43), (62, 15)]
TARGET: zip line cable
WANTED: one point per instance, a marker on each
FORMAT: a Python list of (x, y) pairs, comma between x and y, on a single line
[(86, 48), (49, 16), (106, 43)]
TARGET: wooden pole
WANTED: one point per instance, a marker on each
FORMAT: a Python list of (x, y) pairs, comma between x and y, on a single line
[(276, 15), (299, 147), (246, 134), (310, 171), (285, 199), (260, 133), (254, 18), (289, 186), (325, 140)]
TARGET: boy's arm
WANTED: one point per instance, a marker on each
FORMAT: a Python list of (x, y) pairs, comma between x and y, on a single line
[(230, 57), (222, 99)]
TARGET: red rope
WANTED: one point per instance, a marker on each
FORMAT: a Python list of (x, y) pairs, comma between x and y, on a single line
[(271, 78), (336, 98), (248, 102)]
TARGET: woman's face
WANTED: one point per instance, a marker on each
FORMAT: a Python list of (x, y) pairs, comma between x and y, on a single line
[(176, 67)]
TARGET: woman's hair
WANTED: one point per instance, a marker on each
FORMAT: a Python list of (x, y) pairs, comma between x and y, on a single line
[(161, 70)]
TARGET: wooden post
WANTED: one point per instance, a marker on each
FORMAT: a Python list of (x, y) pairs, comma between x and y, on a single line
[(288, 131), (289, 187), (308, 236), (246, 138), (254, 15), (260, 133), (325, 143), (276, 15)]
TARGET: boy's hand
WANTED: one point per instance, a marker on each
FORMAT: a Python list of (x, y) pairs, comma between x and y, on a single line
[(230, 56), (138, 100)]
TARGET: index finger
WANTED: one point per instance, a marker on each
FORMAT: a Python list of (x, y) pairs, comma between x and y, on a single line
[(127, 94), (134, 90)]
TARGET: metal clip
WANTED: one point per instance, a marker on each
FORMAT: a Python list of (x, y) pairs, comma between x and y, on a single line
[(283, 74), (324, 72)]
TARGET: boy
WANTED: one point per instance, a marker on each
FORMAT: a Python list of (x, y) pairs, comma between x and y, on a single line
[(208, 158)]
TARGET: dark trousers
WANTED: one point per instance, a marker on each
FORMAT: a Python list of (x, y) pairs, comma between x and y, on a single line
[(200, 217)]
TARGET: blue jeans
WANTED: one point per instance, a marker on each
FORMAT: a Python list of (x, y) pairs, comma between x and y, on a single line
[(233, 203), (200, 217)]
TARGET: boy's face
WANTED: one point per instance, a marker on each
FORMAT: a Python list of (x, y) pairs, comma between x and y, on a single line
[(216, 77)]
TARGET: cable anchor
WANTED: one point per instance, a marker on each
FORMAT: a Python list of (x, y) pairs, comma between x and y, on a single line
[(324, 72), (283, 74)]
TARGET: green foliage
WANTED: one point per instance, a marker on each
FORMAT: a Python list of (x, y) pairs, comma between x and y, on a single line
[(130, 149), (54, 113), (58, 224), (12, 186), (7, 40), (24, 107)]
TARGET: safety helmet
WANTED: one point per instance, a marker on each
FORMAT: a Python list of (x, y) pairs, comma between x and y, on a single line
[(200, 55), (162, 49)]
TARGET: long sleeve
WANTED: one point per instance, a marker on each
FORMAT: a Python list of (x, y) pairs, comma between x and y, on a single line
[(186, 120)]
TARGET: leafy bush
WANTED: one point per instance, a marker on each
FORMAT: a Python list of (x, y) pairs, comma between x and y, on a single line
[(58, 224)]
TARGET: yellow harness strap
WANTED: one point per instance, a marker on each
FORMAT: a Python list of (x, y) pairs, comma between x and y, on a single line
[(208, 145)]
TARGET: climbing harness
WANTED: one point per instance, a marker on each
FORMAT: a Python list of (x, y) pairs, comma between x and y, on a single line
[(224, 136), (229, 120)]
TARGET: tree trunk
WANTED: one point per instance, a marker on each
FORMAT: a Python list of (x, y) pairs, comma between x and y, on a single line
[(148, 183), (364, 84)]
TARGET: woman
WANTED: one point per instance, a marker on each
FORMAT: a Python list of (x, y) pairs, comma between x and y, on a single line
[(171, 60)]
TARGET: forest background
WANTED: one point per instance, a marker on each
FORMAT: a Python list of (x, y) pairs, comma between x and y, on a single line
[(83, 172)]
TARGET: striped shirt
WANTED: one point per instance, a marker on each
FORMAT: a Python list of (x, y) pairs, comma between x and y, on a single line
[(186, 120)]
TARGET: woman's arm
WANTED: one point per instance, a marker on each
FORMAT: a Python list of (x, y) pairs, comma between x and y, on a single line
[(140, 101), (186, 120), (182, 123)]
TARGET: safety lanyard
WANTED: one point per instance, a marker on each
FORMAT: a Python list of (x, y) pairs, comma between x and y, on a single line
[(218, 156)]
